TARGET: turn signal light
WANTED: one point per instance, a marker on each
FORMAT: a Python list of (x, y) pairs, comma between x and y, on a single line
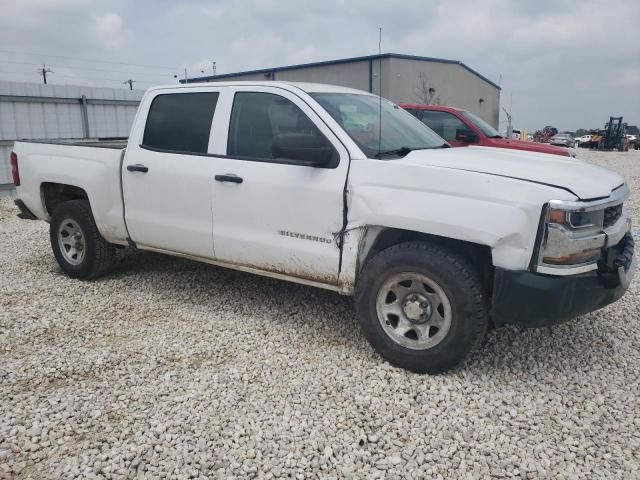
[(585, 256), (556, 216)]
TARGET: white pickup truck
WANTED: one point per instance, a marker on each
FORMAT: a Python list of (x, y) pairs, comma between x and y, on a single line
[(336, 188)]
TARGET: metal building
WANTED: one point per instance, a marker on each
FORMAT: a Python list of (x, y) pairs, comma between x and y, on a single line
[(405, 79), (30, 111)]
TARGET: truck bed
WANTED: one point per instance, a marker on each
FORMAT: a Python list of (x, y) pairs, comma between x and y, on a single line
[(91, 165), (107, 142)]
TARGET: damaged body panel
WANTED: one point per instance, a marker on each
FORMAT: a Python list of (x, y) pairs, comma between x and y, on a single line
[(489, 210)]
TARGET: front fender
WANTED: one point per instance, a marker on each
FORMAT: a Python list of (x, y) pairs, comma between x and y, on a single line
[(501, 213)]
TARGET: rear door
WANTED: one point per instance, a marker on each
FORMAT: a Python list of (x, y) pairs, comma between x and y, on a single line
[(167, 176), (285, 215)]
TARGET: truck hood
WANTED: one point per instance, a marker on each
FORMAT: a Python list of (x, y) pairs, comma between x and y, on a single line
[(586, 181)]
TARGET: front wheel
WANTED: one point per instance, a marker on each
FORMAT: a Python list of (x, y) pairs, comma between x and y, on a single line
[(421, 306), (79, 248)]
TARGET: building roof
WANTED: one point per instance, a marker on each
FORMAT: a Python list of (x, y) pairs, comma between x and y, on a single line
[(338, 62)]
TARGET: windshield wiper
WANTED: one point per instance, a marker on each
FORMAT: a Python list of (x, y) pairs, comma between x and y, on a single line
[(496, 136), (401, 152)]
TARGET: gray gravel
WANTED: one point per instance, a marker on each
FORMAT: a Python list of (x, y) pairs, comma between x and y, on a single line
[(172, 369)]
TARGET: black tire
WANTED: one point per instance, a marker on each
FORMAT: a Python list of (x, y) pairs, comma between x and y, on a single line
[(98, 253), (469, 318)]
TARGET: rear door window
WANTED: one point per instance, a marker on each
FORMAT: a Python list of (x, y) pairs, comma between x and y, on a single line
[(180, 122)]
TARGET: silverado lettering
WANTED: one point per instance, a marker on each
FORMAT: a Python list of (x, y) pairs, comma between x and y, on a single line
[(304, 236)]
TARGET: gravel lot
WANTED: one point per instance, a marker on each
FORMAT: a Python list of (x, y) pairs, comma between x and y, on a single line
[(172, 369)]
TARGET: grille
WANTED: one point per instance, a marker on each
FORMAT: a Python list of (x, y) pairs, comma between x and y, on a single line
[(612, 214)]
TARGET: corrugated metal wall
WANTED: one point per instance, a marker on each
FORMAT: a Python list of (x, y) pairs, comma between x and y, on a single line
[(30, 111), (455, 84)]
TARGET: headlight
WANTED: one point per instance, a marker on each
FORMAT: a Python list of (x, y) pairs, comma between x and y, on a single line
[(572, 240), (573, 234), (576, 219)]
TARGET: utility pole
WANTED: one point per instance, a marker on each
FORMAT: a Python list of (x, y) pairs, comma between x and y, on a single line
[(43, 71), (130, 83), (509, 127), (186, 80)]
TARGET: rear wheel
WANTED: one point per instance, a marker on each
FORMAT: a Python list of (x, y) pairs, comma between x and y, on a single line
[(77, 244), (421, 306)]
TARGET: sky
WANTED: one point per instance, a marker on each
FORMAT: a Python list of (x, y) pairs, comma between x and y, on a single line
[(570, 64)]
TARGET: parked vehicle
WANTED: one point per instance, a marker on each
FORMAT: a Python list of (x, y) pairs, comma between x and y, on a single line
[(611, 137), (562, 140), (582, 140), (462, 128), (544, 135), (614, 135), (334, 188)]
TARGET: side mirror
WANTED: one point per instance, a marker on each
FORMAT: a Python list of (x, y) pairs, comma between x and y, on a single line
[(467, 136), (306, 148)]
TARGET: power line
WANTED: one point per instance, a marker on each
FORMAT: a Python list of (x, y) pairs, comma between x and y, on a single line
[(73, 66), (150, 77), (85, 59), (85, 81)]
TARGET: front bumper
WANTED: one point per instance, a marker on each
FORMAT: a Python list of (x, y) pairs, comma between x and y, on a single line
[(535, 300)]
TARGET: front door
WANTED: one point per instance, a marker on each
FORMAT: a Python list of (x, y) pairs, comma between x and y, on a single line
[(274, 213)]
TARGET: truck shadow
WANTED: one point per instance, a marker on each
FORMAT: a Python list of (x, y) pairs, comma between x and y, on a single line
[(577, 345), (327, 319), (323, 315)]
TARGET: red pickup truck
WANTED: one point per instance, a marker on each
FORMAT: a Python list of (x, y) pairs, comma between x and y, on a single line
[(462, 128)]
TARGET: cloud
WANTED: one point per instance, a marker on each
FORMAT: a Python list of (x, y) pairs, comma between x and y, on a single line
[(109, 30), (629, 76), (30, 13), (565, 63)]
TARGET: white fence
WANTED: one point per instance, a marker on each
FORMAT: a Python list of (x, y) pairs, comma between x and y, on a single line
[(29, 111)]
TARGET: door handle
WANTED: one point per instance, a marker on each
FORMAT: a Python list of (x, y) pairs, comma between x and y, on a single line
[(137, 168), (228, 177)]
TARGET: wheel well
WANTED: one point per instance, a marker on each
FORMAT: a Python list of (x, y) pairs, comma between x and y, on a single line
[(479, 256), (53, 194)]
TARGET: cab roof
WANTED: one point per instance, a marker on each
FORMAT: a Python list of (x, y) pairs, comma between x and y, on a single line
[(291, 86)]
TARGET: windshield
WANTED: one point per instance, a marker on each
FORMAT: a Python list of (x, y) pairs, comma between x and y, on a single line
[(359, 115), (484, 127)]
